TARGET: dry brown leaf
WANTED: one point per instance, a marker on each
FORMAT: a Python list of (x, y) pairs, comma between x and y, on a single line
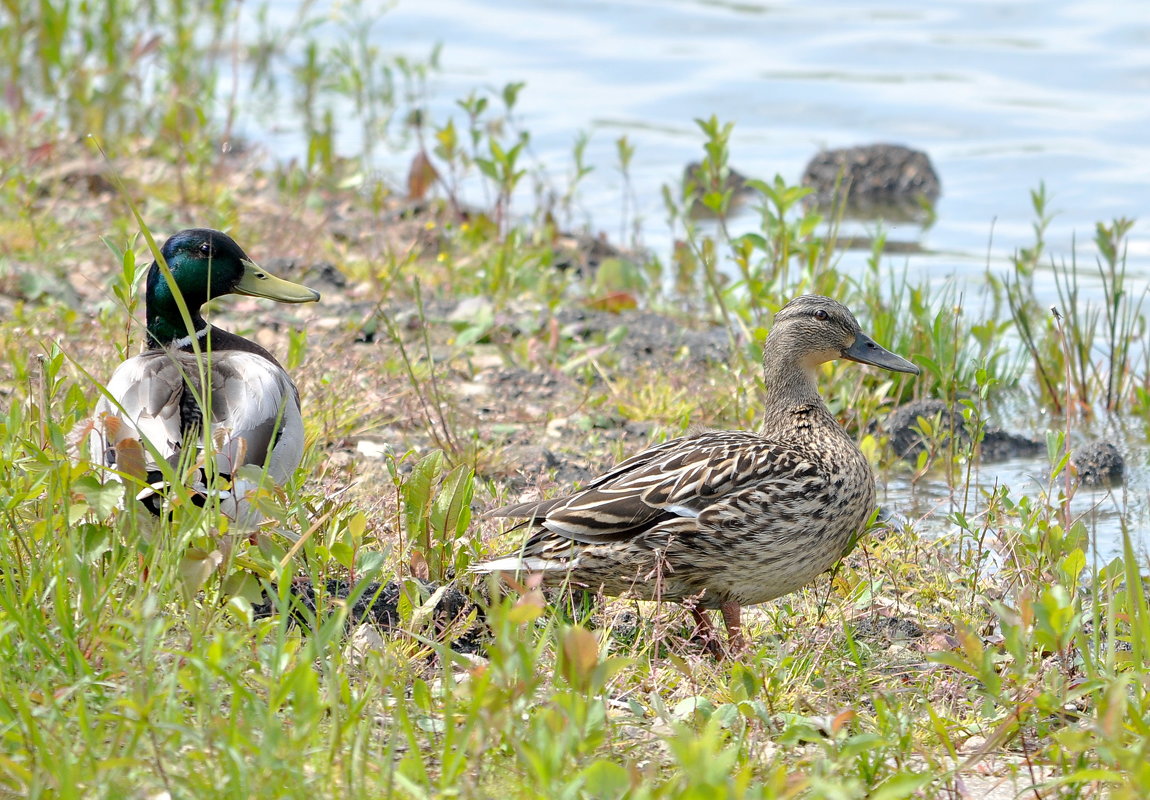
[(580, 655), (131, 459), (841, 720), (421, 176), (613, 301), (419, 567)]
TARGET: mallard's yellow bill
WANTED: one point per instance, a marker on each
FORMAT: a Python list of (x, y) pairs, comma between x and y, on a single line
[(258, 282)]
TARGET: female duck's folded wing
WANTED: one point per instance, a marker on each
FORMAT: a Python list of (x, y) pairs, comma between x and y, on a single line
[(682, 478), (539, 509)]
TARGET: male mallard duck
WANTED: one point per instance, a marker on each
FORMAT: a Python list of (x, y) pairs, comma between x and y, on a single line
[(158, 397), (723, 519)]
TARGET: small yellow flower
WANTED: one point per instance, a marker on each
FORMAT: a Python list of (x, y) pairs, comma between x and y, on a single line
[(429, 225)]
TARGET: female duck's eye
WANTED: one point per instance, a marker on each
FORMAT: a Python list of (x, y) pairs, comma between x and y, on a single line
[(821, 315)]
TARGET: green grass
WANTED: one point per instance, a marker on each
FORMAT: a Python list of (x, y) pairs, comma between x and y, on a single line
[(133, 661)]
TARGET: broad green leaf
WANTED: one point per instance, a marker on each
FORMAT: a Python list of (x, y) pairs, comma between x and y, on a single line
[(605, 779), (900, 785), (101, 498), (196, 566)]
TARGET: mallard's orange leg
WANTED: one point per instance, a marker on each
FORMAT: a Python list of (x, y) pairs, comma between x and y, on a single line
[(732, 618), (705, 632)]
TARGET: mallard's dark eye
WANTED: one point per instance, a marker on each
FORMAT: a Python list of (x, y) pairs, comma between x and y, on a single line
[(205, 248), (821, 315)]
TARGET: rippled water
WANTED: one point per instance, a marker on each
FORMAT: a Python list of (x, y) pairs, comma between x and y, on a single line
[(1102, 511), (1002, 95)]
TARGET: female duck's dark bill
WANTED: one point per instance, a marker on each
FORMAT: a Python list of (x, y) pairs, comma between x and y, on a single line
[(258, 282), (866, 350)]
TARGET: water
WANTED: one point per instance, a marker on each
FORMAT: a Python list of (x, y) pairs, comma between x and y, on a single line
[(1001, 95), (1102, 511)]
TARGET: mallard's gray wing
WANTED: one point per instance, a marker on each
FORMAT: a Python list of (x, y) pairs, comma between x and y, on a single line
[(156, 397), (255, 402)]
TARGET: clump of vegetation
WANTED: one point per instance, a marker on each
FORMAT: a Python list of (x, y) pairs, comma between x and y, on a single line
[(987, 641)]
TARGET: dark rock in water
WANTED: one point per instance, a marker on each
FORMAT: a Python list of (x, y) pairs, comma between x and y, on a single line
[(1000, 445), (583, 252), (877, 179), (1098, 464), (902, 428), (377, 605)]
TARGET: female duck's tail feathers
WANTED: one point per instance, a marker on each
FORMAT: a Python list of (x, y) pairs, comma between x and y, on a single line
[(525, 564), (537, 509)]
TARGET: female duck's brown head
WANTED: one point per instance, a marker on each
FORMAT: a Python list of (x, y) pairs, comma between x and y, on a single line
[(811, 330)]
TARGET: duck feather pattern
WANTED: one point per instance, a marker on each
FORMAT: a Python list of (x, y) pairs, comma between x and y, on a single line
[(255, 410), (723, 519)]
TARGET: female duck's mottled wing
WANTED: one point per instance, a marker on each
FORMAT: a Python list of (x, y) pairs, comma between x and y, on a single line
[(685, 478), (539, 509)]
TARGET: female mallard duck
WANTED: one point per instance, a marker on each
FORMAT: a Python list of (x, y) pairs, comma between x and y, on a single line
[(153, 407), (723, 519)]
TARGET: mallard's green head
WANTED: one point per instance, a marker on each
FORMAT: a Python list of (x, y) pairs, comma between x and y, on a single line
[(206, 264)]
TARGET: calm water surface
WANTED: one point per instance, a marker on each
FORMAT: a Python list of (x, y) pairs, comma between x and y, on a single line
[(1002, 95)]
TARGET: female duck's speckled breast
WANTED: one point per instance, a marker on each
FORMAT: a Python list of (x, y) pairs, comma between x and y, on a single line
[(783, 539)]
